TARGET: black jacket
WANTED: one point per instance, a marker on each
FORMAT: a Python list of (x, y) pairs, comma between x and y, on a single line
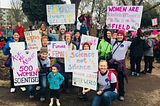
[(137, 47)]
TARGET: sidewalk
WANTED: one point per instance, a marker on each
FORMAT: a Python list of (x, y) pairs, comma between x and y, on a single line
[(140, 91)]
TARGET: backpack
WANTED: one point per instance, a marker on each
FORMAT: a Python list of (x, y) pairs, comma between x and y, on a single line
[(109, 75)]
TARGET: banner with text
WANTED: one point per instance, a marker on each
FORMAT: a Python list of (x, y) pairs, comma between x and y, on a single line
[(154, 22), (85, 79), (33, 39), (25, 64), (61, 14), (124, 17), (57, 48), (93, 40), (85, 60), (16, 46)]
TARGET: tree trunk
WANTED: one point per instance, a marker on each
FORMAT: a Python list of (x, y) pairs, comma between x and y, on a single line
[(76, 2), (93, 5), (124, 3), (133, 2)]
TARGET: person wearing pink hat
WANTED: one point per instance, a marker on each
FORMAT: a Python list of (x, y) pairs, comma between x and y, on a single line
[(119, 49), (156, 44), (114, 36)]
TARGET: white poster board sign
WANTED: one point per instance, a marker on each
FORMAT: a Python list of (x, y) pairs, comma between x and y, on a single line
[(93, 40), (25, 64), (124, 17), (154, 22), (61, 14), (85, 79), (17, 46), (85, 60), (33, 39), (57, 48)]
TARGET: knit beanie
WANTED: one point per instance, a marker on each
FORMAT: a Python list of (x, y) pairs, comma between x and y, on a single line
[(134, 33), (122, 32), (56, 65), (155, 32), (62, 27), (44, 50)]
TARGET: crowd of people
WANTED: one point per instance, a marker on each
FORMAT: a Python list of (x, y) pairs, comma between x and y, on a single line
[(112, 49)]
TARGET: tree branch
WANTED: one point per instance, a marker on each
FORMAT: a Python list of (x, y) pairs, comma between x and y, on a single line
[(140, 2), (124, 3), (133, 2), (151, 7)]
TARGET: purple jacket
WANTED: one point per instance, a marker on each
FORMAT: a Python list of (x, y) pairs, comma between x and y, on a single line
[(155, 47), (121, 67)]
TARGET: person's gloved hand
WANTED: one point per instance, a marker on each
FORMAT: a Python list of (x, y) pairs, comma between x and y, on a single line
[(8, 48)]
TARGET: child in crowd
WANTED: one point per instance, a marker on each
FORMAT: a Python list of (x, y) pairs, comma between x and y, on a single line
[(55, 79), (82, 92), (43, 69), (44, 40)]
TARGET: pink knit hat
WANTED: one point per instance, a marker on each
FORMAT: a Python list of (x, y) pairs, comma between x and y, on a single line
[(134, 33), (155, 32), (90, 44), (67, 33), (122, 32), (114, 34)]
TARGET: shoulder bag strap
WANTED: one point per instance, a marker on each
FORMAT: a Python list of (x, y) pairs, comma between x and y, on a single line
[(116, 48), (40, 62)]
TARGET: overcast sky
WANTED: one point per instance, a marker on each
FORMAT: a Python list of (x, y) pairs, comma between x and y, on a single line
[(6, 3)]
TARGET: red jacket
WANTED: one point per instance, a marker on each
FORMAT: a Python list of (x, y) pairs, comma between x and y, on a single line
[(21, 31)]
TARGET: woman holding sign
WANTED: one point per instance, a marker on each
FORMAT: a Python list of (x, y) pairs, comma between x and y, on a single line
[(6, 51)]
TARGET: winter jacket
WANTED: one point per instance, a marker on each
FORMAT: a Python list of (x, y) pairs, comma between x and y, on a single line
[(9, 32), (137, 47), (77, 44), (55, 80), (7, 52), (104, 48), (149, 48), (83, 29), (21, 31)]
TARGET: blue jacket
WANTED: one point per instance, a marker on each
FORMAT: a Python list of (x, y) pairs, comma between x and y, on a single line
[(7, 52), (83, 29), (77, 46), (55, 80)]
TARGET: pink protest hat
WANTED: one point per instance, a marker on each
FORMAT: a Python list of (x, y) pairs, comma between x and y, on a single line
[(114, 34), (134, 33), (155, 32), (86, 42), (122, 32), (67, 33)]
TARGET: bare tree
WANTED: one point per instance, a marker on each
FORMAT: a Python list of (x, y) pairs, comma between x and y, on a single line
[(83, 5), (16, 12)]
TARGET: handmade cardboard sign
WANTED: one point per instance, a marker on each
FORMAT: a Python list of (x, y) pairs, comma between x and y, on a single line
[(85, 60), (61, 14), (25, 64), (33, 39), (57, 48), (124, 17), (17, 46), (85, 79)]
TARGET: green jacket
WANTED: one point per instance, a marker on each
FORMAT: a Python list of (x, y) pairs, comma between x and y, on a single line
[(9, 32), (103, 45)]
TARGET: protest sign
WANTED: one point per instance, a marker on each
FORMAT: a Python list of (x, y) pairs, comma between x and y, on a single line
[(57, 48), (25, 64), (124, 17), (93, 40), (85, 60), (61, 14), (154, 22), (85, 79), (17, 46), (33, 39)]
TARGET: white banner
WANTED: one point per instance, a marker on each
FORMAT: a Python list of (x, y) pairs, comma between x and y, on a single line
[(85, 79), (57, 48), (61, 14), (25, 64), (33, 39), (124, 17), (93, 40), (85, 60)]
